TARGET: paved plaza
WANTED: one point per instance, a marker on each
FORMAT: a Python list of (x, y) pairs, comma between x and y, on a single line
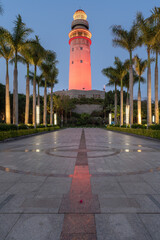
[(80, 184)]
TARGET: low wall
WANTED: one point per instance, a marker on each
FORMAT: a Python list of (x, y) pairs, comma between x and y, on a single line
[(96, 94), (87, 108)]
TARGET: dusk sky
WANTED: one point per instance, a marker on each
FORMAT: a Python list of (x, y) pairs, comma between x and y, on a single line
[(51, 21)]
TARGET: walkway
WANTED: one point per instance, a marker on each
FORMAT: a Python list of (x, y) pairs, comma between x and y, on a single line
[(80, 184)]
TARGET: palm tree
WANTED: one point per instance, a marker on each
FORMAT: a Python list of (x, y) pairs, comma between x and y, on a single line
[(140, 67), (59, 106), (17, 40), (148, 32), (156, 48), (7, 53), (37, 55), (112, 73), (122, 69), (128, 40), (39, 81), (46, 67), (25, 58), (52, 81)]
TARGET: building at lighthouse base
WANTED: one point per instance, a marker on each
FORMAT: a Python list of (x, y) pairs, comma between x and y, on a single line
[(91, 94)]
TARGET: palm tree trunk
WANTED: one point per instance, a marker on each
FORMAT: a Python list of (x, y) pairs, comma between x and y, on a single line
[(8, 113), (38, 96), (27, 97), (39, 104), (51, 105), (115, 103), (45, 105), (139, 104), (156, 91), (34, 96), (121, 105), (127, 100), (131, 89), (15, 93), (127, 111), (149, 103)]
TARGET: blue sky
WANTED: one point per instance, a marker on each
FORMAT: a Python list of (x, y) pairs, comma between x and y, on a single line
[(51, 21)]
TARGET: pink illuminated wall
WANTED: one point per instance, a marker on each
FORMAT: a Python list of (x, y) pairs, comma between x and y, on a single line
[(80, 64)]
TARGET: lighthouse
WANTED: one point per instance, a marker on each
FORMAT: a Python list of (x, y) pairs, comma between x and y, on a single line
[(80, 59)]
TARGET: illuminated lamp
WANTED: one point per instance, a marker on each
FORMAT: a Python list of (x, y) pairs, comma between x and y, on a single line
[(127, 114), (153, 119), (55, 119), (37, 115), (110, 118)]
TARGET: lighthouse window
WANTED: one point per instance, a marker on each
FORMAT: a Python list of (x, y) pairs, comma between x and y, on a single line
[(81, 61), (81, 48), (72, 49), (72, 62)]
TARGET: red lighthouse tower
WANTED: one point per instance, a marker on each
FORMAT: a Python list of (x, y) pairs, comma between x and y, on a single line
[(80, 60)]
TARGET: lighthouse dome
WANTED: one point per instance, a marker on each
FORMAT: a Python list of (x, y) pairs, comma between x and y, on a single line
[(80, 14)]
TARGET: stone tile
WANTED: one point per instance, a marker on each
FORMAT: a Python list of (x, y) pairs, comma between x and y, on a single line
[(15, 204), (152, 224), (71, 204), (103, 187), (4, 187), (137, 188), (24, 188), (151, 177), (58, 186), (41, 204), (120, 227), (130, 178), (78, 237), (7, 221), (37, 227), (155, 186), (118, 204), (95, 180), (32, 179), (79, 224), (8, 177)]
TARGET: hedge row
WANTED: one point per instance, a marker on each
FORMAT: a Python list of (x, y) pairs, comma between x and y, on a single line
[(143, 132), (139, 126), (9, 127), (22, 132)]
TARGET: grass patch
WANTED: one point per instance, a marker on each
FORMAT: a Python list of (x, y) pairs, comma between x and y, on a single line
[(143, 132), (22, 132)]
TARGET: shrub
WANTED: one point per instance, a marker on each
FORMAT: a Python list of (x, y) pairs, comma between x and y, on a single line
[(7, 127), (143, 132), (40, 126), (144, 121), (138, 126), (154, 127), (23, 132), (22, 126)]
